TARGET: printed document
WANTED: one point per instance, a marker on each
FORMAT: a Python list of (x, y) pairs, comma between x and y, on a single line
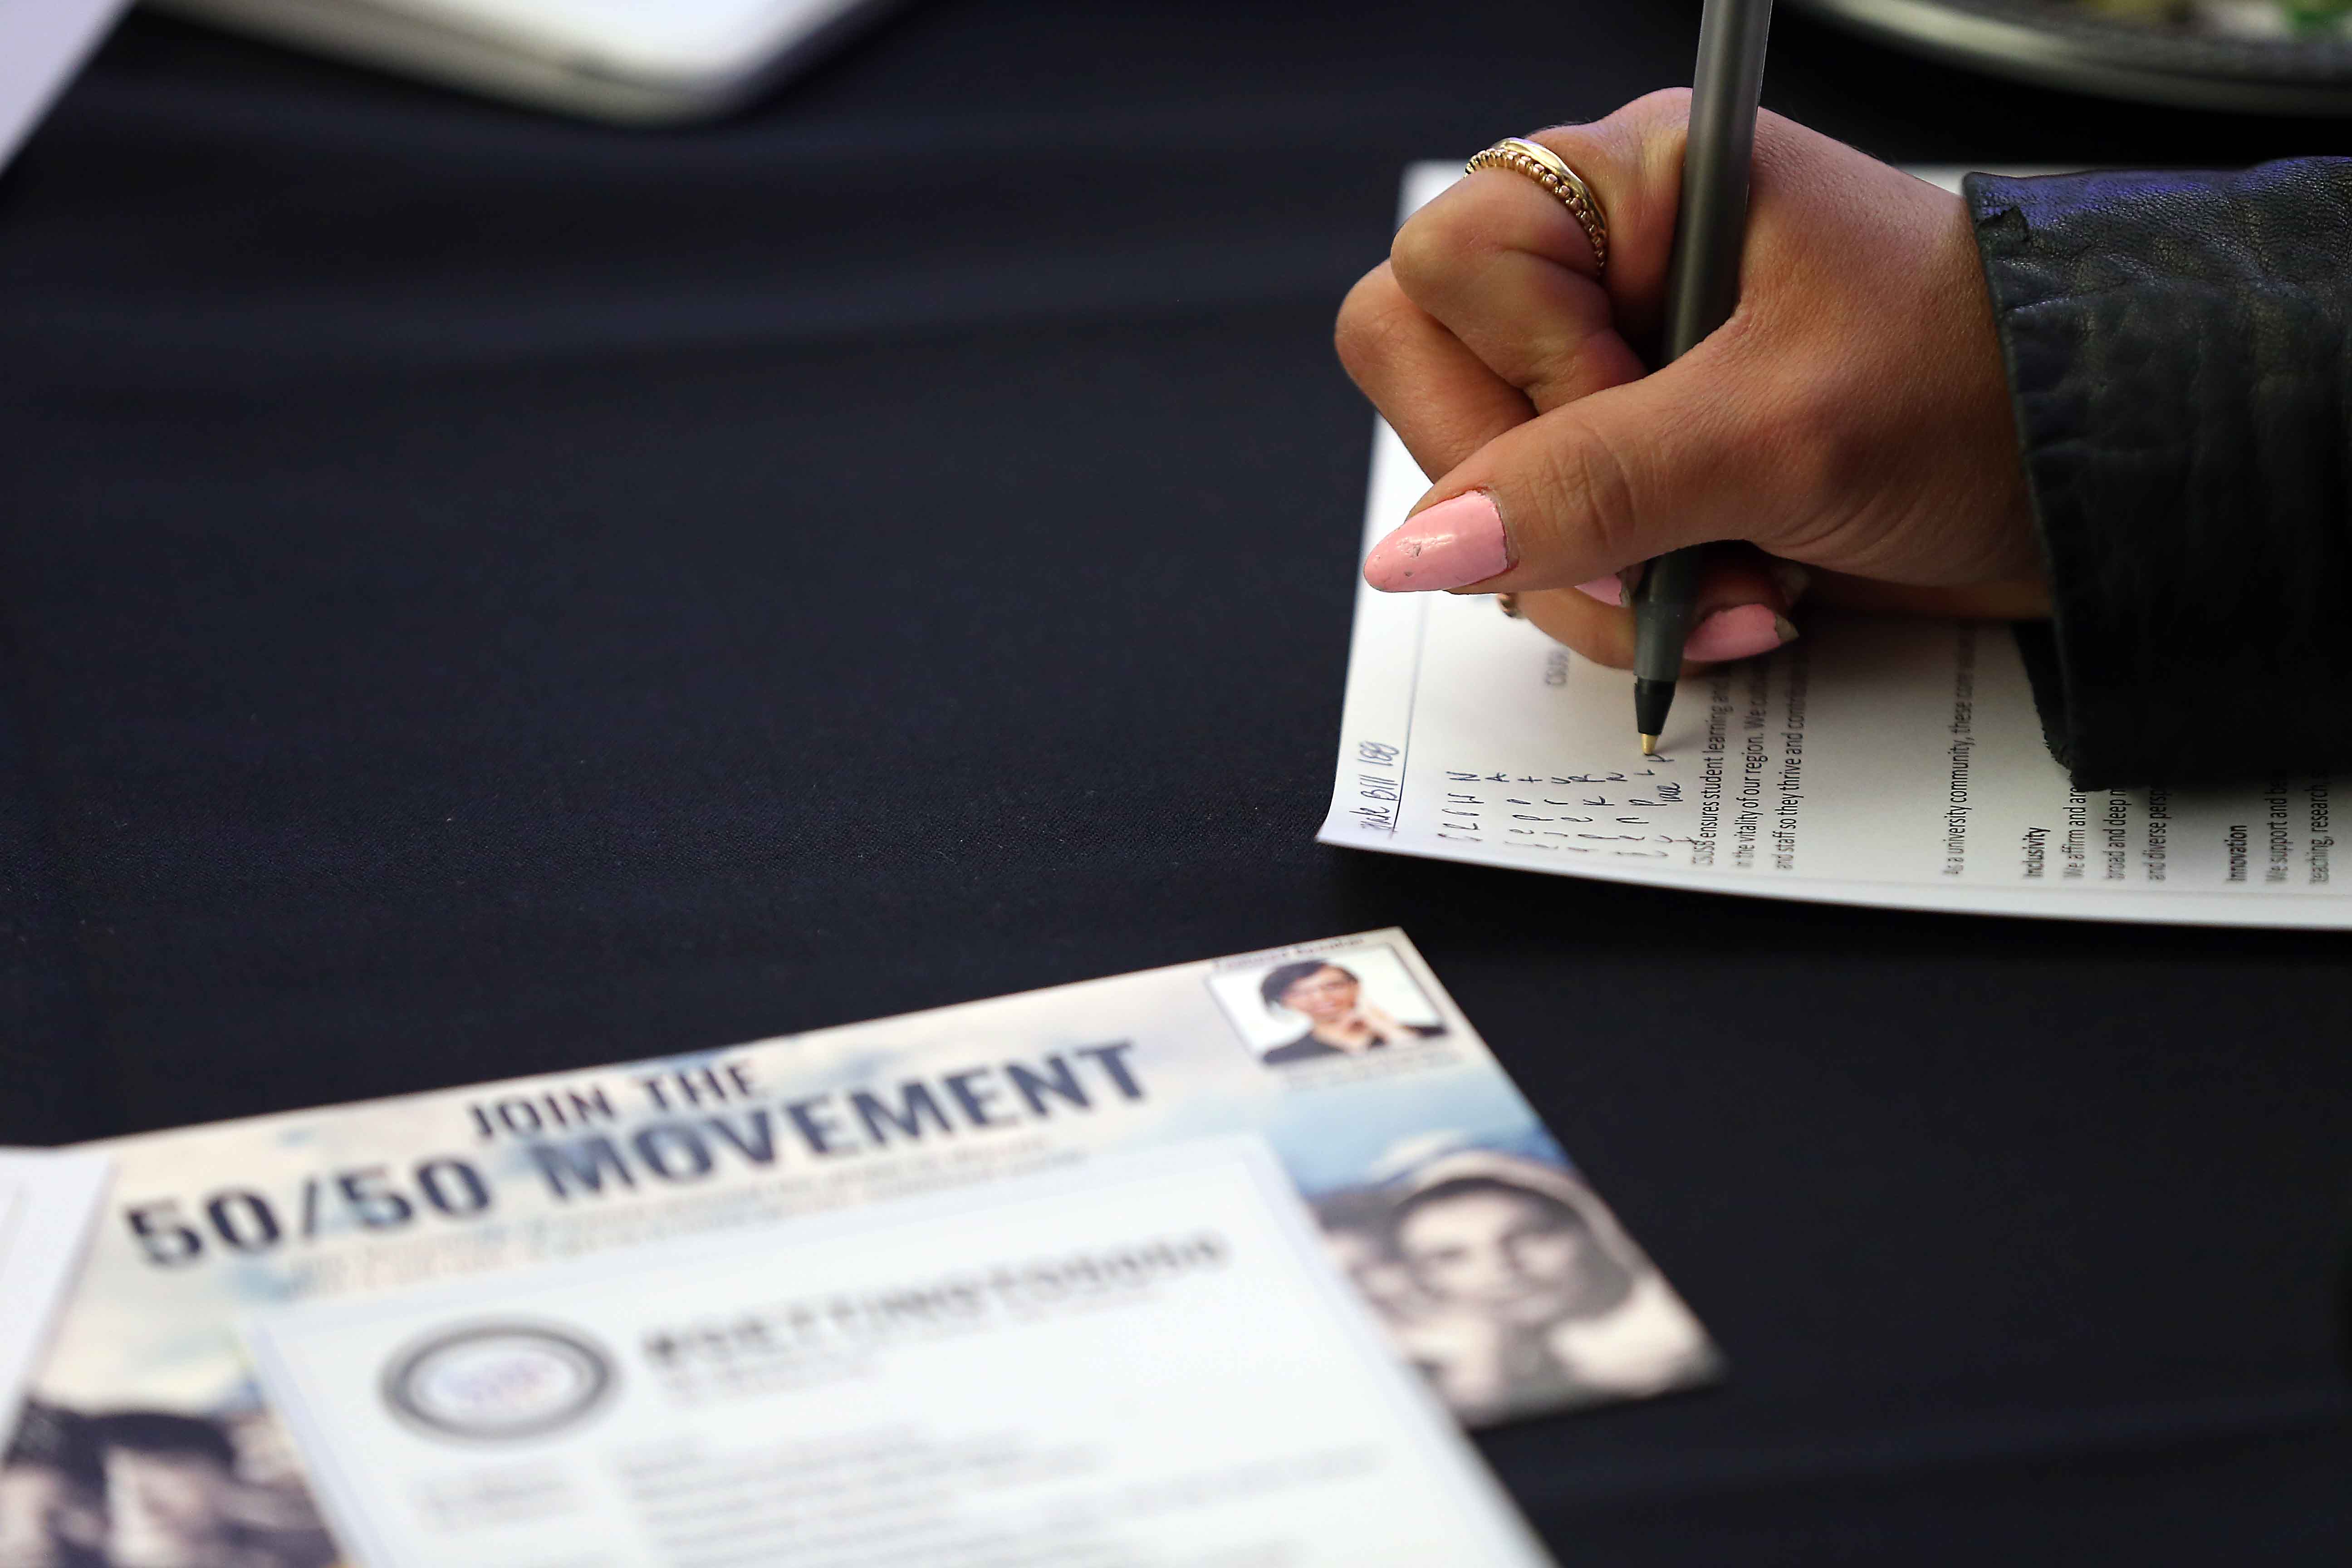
[(1494, 1267), (1885, 763), (1149, 1361), (47, 1200)]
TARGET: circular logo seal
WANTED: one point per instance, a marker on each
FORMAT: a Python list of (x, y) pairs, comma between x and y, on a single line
[(494, 1381)]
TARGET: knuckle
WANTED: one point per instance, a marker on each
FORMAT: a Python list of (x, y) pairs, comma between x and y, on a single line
[(1569, 141), (1371, 318), (1633, 160), (1666, 110), (1427, 252), (1666, 106)]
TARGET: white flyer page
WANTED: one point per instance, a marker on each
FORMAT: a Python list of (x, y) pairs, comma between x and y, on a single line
[(1147, 1361), (1885, 763), (47, 1200)]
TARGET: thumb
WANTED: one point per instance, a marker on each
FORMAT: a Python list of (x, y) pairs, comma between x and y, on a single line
[(1578, 493)]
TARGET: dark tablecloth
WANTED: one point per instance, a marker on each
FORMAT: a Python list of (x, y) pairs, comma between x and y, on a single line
[(486, 594)]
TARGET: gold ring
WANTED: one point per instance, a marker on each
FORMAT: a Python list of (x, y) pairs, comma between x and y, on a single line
[(1541, 165)]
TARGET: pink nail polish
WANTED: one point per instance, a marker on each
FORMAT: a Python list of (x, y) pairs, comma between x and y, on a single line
[(1610, 591), (1741, 632), (1452, 544)]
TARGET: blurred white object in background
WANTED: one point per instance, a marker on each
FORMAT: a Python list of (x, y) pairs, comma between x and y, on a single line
[(42, 44), (632, 60)]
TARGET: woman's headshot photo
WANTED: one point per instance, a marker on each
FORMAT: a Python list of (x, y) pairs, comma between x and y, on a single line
[(1314, 1009), (1514, 1289)]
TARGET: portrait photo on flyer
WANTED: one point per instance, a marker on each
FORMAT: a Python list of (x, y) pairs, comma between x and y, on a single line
[(1496, 1267)]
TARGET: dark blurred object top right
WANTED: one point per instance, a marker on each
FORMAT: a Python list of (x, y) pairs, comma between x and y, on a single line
[(2278, 57)]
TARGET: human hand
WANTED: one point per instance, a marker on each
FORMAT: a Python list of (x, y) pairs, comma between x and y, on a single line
[(1851, 420), (1381, 1023)]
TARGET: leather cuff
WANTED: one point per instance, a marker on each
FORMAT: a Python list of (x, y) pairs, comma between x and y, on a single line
[(2177, 346)]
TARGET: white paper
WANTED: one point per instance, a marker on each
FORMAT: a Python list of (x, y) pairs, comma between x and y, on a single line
[(47, 1202), (1147, 1363), (42, 44), (1883, 763)]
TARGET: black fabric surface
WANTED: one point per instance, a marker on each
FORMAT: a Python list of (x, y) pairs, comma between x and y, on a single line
[(2179, 351), (483, 595)]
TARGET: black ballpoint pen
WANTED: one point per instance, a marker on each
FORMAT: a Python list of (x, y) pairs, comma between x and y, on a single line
[(1702, 291)]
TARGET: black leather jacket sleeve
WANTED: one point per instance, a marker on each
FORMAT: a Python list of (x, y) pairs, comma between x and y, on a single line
[(2179, 347)]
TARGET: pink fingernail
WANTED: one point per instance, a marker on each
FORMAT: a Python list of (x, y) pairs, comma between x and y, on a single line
[(1452, 546), (1610, 591), (1741, 632)]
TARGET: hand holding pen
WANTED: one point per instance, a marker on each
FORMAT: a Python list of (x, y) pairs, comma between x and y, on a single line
[(1846, 434)]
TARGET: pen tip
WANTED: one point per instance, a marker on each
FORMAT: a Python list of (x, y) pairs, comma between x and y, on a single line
[(1649, 745)]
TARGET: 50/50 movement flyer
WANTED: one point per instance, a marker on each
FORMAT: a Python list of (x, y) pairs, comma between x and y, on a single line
[(1490, 1264)]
